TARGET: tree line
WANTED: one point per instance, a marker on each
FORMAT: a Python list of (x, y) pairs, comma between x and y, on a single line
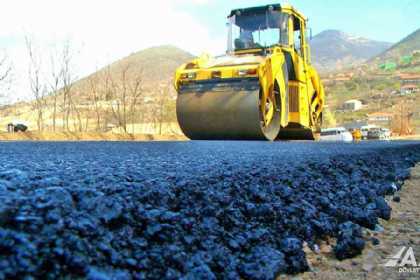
[(108, 99)]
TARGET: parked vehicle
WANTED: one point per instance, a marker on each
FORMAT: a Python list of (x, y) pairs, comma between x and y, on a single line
[(16, 127), (386, 134), (365, 130), (379, 134), (339, 134), (20, 128), (374, 134)]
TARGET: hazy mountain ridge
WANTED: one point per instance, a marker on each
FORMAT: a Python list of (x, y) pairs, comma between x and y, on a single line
[(404, 47), (335, 50), (154, 65)]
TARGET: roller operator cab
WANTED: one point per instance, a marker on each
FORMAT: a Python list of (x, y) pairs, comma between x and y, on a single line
[(264, 88)]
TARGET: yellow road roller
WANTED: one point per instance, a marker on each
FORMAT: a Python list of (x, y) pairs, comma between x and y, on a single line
[(263, 88)]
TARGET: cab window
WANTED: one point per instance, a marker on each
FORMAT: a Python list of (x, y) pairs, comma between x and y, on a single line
[(297, 35), (257, 30)]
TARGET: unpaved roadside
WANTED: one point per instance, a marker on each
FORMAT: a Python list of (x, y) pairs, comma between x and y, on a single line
[(407, 137), (86, 136), (402, 230)]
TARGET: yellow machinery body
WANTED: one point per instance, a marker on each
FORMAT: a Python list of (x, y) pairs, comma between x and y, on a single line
[(259, 91)]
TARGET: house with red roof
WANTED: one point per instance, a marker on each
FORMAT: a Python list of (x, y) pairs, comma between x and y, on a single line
[(410, 83), (409, 89), (380, 118)]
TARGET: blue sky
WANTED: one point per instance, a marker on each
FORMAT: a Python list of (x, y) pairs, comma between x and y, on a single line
[(383, 20), (101, 31)]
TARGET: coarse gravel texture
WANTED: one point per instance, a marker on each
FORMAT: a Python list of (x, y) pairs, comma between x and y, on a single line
[(191, 210), (403, 229)]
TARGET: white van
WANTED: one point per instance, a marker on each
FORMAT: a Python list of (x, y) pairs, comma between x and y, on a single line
[(386, 134), (339, 134)]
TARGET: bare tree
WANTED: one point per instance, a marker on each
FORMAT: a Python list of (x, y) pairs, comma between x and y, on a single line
[(5, 68), (94, 97), (5, 75), (403, 114), (108, 93), (161, 108), (135, 92), (55, 85), (38, 89), (158, 111), (67, 80), (76, 110), (124, 95), (161, 113), (119, 104)]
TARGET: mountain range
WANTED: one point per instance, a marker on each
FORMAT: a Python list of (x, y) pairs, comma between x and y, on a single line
[(335, 50), (332, 51)]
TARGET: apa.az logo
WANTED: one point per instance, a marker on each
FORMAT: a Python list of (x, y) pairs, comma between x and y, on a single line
[(405, 259)]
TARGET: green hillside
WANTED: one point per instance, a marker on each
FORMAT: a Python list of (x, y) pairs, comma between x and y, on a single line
[(377, 84), (403, 53)]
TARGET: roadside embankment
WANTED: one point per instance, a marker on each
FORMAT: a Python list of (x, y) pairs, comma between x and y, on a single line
[(85, 136), (402, 230)]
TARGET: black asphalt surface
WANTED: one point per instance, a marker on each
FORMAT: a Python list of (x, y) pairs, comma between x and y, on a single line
[(191, 210)]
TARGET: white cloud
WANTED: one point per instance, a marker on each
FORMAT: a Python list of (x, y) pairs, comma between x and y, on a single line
[(103, 31)]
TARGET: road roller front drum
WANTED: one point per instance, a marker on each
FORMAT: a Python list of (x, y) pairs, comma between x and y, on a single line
[(225, 110)]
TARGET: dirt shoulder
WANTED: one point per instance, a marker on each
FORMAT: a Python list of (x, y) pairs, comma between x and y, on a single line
[(402, 230), (408, 137), (86, 136)]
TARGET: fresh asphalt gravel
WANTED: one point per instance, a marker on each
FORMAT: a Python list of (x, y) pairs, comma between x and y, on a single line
[(191, 210)]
